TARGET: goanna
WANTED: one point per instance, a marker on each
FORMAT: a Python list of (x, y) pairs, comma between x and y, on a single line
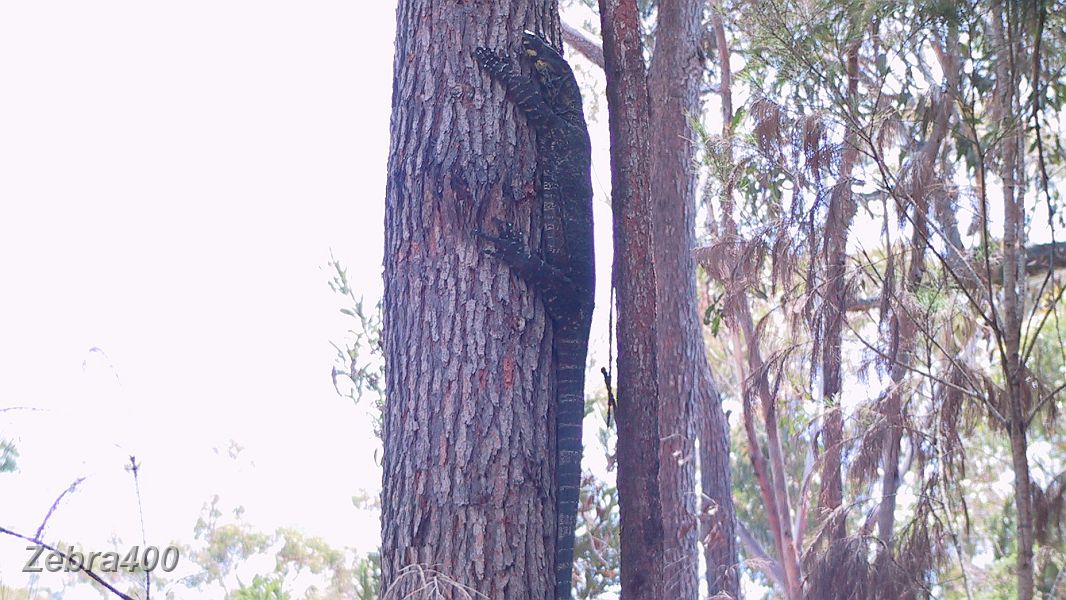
[(565, 276)]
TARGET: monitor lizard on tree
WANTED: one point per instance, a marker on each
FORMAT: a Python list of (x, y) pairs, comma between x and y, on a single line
[(565, 276)]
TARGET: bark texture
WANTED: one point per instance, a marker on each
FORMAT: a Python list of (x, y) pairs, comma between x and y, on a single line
[(687, 393), (468, 472), (634, 272)]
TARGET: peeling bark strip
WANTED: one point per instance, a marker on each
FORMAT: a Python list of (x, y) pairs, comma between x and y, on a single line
[(467, 424), (639, 433)]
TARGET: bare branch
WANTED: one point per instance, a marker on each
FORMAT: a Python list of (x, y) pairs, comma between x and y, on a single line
[(1038, 258), (135, 469), (1047, 398), (584, 44), (760, 559), (84, 568), (69, 490)]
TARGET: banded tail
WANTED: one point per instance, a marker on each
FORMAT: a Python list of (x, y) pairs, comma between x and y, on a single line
[(571, 345)]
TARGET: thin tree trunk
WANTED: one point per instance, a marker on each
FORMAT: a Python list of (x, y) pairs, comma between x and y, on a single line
[(1006, 33), (717, 509), (838, 223), (686, 389), (1019, 446), (770, 474), (904, 332), (467, 438), (1013, 303), (920, 192), (634, 272), (739, 310)]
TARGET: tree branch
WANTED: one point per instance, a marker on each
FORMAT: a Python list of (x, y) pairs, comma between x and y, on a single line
[(759, 558), (1037, 259), (44, 522), (584, 44), (84, 569)]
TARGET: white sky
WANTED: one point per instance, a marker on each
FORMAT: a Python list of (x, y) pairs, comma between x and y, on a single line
[(173, 177)]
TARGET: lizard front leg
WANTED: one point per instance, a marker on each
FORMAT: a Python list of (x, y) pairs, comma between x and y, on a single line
[(522, 90), (556, 288)]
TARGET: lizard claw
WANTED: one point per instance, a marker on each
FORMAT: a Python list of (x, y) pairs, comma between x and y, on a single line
[(482, 235), (507, 241), (490, 60), (508, 233)]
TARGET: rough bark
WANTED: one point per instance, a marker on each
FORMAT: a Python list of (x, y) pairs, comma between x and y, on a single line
[(634, 272), (686, 389), (467, 423)]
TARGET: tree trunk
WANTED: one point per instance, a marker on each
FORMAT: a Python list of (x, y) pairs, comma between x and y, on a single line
[(634, 277), (468, 447), (838, 223), (716, 484), (1006, 31), (686, 389), (904, 328)]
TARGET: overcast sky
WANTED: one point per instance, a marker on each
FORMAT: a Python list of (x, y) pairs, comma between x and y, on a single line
[(173, 177)]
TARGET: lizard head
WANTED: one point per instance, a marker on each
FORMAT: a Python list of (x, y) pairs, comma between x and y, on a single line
[(552, 72), (546, 61)]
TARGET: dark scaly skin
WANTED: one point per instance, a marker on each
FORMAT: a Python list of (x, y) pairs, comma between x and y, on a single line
[(565, 276)]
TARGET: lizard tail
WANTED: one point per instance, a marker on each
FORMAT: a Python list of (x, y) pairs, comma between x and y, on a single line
[(570, 412)]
